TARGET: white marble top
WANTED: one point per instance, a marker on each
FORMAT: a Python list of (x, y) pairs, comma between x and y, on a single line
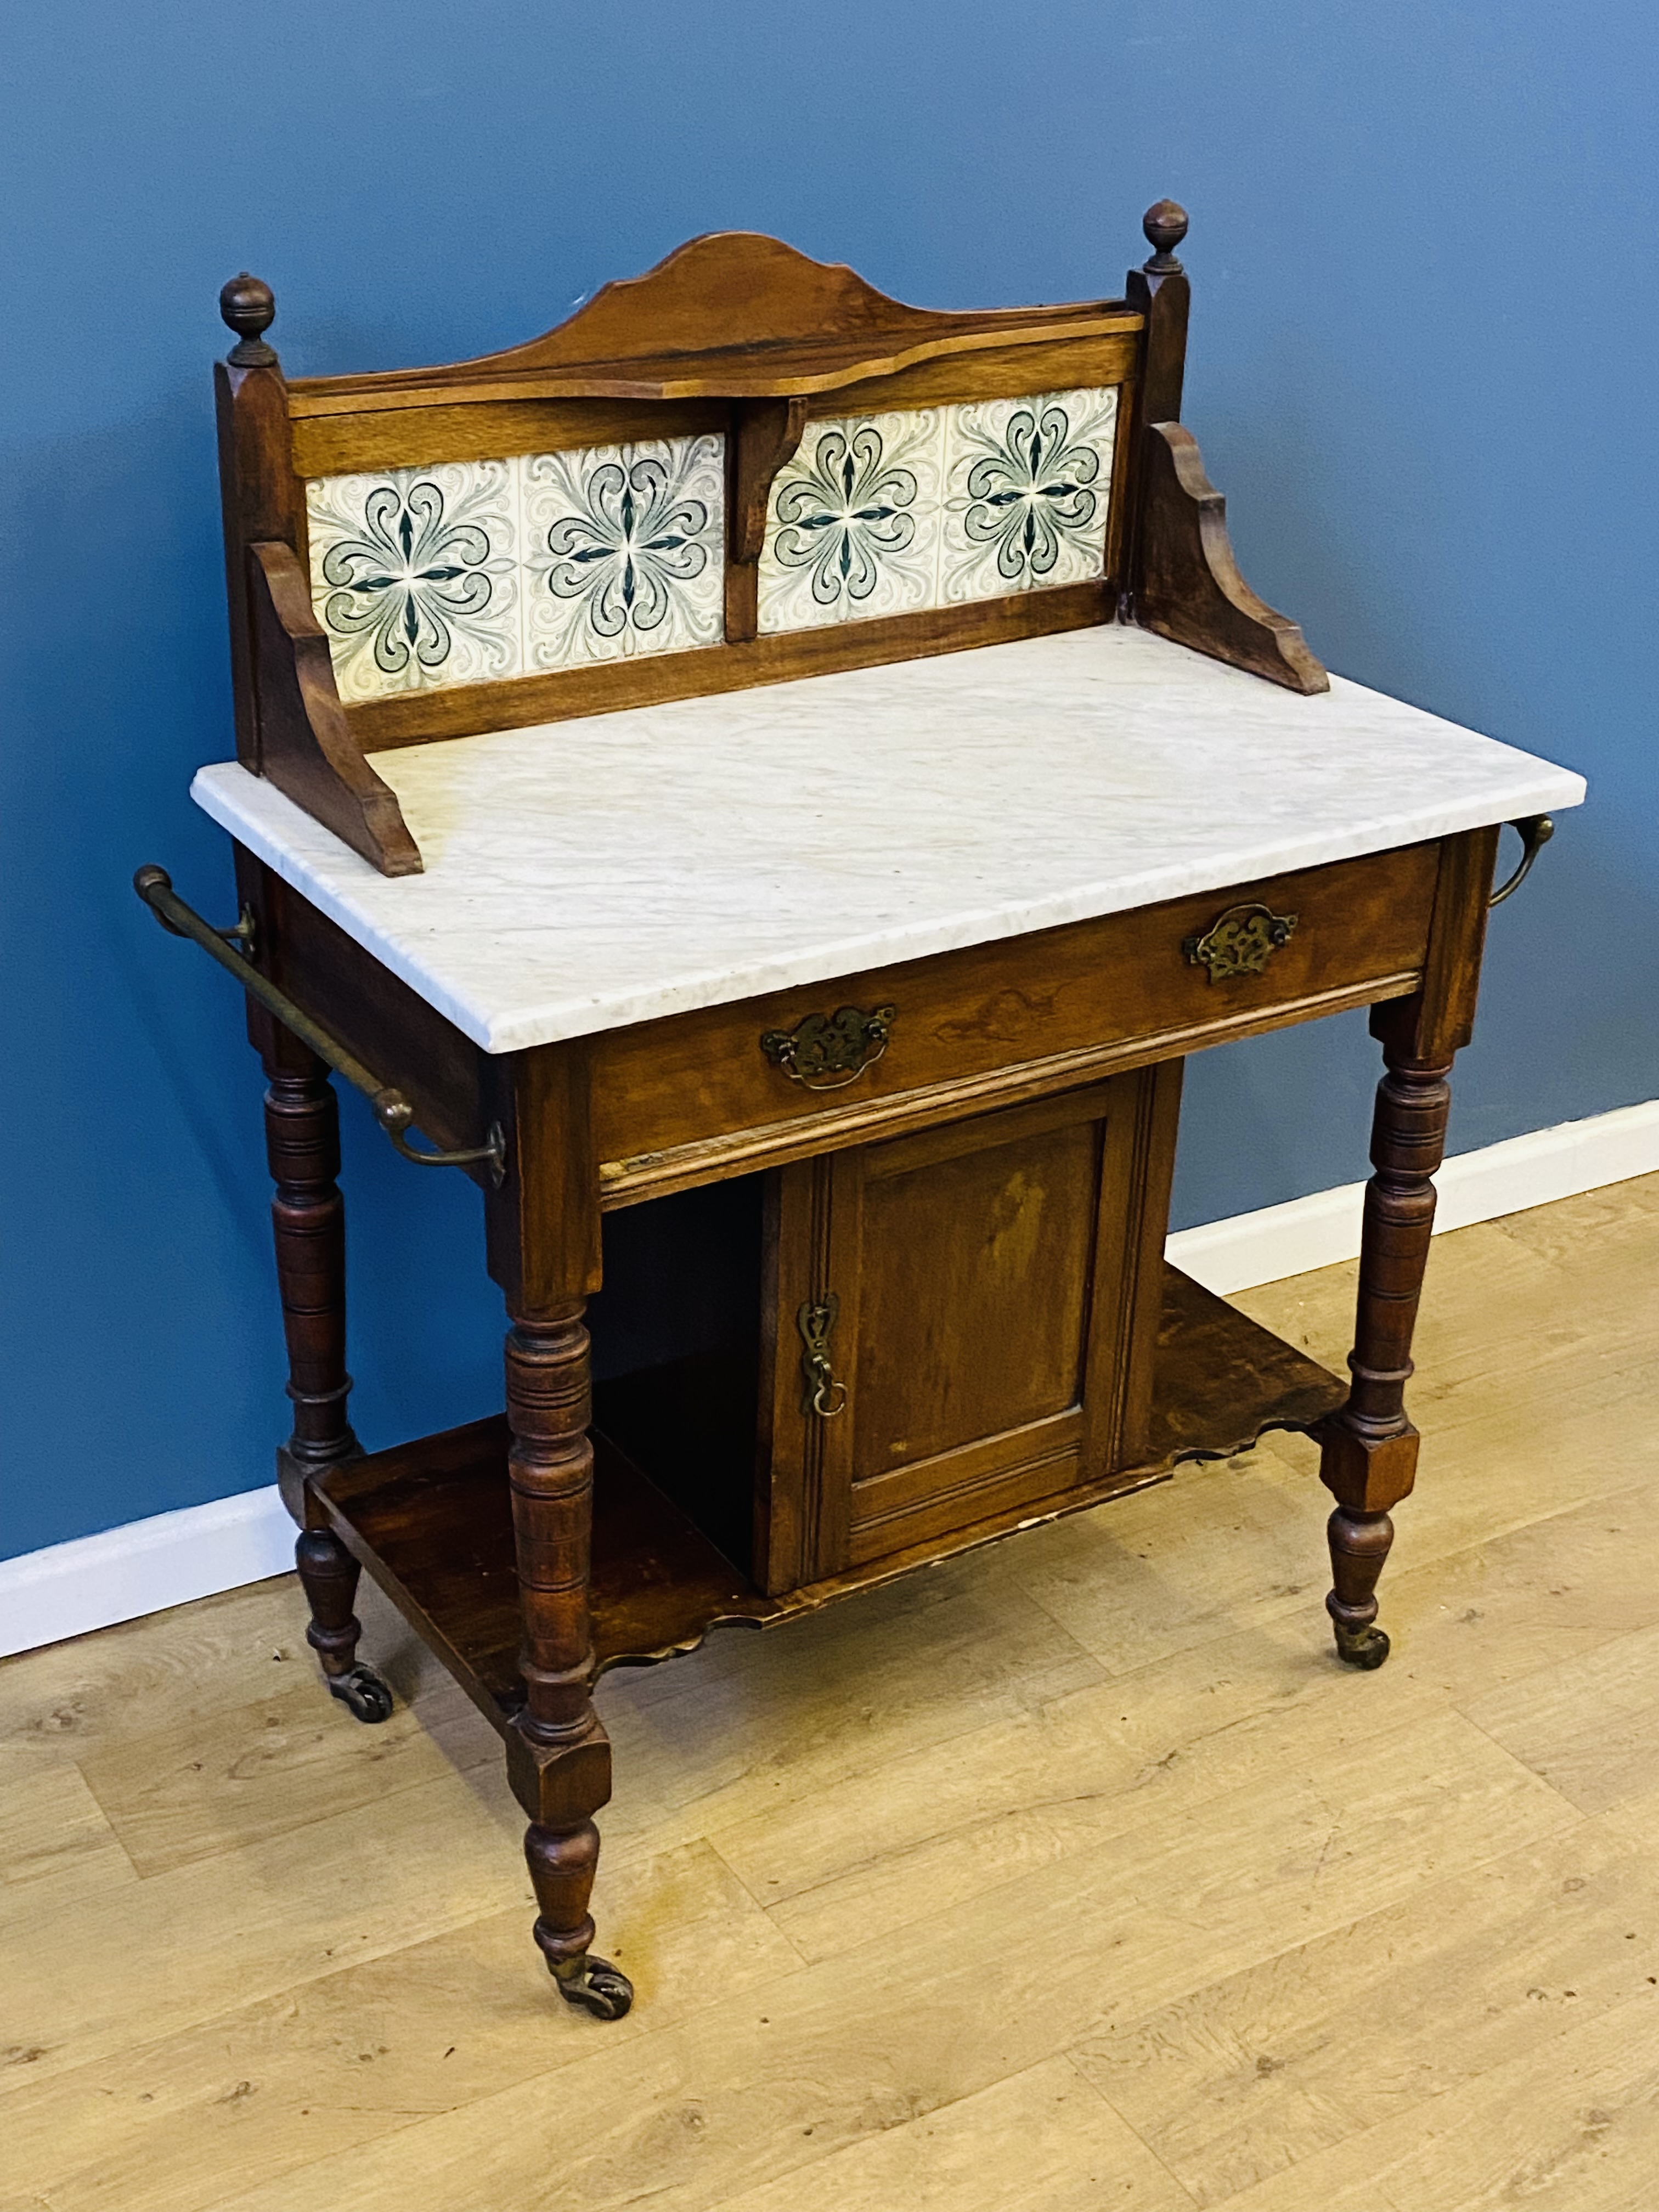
[(586, 874)]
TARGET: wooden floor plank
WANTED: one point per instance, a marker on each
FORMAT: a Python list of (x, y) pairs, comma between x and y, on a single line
[(1572, 2126), (1590, 1727), (894, 2029), (179, 2124), (54, 1836), (1246, 2076), (993, 1889), (1313, 1827), (1039, 2141), (227, 1779), (96, 1976)]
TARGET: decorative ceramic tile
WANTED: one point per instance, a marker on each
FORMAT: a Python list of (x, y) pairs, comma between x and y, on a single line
[(1027, 485), (625, 551), (414, 575), (854, 525)]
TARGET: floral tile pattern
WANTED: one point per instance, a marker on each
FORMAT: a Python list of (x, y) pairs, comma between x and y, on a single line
[(414, 575), (854, 525), (472, 570), (1029, 481), (880, 514), (625, 551)]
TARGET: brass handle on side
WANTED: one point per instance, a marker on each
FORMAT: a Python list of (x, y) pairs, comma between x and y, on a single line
[(1534, 831)]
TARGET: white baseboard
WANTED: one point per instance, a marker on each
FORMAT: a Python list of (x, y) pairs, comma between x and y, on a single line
[(1316, 1232), (96, 1581)]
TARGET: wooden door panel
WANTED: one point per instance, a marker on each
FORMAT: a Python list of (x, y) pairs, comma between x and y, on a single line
[(973, 1295), (993, 1337)]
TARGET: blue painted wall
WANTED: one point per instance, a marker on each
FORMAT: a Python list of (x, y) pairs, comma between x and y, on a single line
[(1423, 368)]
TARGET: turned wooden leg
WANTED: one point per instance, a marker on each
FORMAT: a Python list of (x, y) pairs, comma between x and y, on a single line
[(558, 1754), (302, 1142), (1369, 1456)]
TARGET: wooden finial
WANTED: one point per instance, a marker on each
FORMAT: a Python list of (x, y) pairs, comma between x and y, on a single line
[(247, 306), (1165, 224)]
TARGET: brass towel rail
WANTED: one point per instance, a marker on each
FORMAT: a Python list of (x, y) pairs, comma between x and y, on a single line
[(391, 1110)]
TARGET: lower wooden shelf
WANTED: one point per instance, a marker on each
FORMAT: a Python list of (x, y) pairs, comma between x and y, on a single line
[(431, 1521)]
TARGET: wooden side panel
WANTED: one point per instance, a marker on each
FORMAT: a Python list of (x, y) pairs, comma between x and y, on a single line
[(1188, 585), (260, 499), (390, 1028), (1136, 1167), (803, 1471)]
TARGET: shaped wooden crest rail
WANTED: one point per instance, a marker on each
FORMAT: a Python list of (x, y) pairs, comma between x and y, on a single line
[(737, 333)]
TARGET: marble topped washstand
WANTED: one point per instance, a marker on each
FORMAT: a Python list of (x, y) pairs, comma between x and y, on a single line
[(771, 783)]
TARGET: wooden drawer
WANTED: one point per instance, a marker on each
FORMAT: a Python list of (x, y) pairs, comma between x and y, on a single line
[(675, 1099)]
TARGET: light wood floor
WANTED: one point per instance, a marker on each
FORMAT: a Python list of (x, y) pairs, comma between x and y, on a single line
[(1076, 1874)]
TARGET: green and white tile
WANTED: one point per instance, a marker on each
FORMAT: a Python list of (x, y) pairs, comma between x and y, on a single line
[(414, 575), (1028, 482), (854, 527), (624, 550)]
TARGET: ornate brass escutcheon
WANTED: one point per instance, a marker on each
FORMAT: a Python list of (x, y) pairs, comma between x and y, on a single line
[(826, 1052), (1240, 942), (822, 1394)]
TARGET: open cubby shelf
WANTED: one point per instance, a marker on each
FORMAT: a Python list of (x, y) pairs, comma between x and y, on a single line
[(432, 1522)]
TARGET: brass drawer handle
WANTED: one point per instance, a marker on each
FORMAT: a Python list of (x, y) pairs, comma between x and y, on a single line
[(822, 1394), (826, 1052), (1240, 942)]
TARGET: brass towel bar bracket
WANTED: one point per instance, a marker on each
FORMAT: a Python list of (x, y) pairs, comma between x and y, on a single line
[(1534, 831), (394, 1113)]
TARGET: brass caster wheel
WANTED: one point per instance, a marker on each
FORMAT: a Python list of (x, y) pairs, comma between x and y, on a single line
[(1362, 1647), (598, 1987), (362, 1693)]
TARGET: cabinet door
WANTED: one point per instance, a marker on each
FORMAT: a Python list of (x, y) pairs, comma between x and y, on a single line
[(960, 1323)]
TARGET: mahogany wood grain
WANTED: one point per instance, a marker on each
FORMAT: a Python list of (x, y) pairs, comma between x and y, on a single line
[(423, 437), (542, 1223), (393, 1031), (308, 1215), (558, 1754), (733, 314), (307, 745), (1067, 1000), (1160, 291), (763, 435), (1187, 586), (258, 495), (1007, 373), (990, 1274), (431, 1521), (1369, 1449)]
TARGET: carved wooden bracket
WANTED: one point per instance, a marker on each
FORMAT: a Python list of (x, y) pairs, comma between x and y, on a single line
[(1188, 585), (306, 745), (764, 436)]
